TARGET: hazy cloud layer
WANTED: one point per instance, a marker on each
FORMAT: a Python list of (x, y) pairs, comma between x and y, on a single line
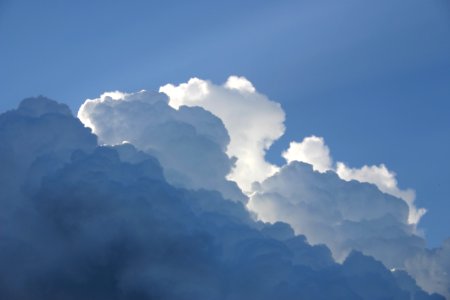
[(431, 268), (102, 223)]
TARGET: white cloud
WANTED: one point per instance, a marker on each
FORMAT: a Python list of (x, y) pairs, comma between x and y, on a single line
[(252, 120), (331, 211), (83, 112), (311, 150), (335, 206), (189, 142), (350, 215), (254, 123), (240, 84), (314, 151), (385, 180)]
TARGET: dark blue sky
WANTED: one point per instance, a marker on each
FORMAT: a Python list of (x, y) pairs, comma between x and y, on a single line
[(371, 77)]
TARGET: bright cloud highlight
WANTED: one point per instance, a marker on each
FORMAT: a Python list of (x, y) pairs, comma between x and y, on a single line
[(386, 181), (189, 142), (311, 150), (252, 120), (314, 151)]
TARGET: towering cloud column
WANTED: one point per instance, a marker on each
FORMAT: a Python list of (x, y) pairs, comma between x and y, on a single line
[(252, 120)]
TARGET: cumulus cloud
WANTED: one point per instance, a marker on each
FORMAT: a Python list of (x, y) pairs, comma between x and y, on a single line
[(311, 150), (347, 216), (203, 133), (314, 151), (386, 181), (33, 140), (252, 120), (334, 212), (103, 223), (189, 142)]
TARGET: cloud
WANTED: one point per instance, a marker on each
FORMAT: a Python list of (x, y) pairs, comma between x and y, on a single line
[(314, 151), (252, 120), (347, 216), (112, 218), (328, 210), (204, 133), (385, 180), (105, 224), (34, 141), (432, 268), (189, 142), (311, 150), (323, 208)]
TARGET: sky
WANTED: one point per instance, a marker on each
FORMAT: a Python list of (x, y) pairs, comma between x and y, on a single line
[(249, 92)]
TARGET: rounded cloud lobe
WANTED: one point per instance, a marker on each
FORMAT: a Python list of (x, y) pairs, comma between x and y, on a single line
[(385, 180), (314, 151), (331, 211), (252, 120), (147, 215), (348, 216), (189, 142), (311, 150)]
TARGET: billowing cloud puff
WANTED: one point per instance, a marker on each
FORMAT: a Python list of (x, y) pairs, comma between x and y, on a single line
[(311, 150), (385, 180), (314, 151), (103, 223), (252, 120), (34, 140), (349, 215), (189, 142), (334, 212)]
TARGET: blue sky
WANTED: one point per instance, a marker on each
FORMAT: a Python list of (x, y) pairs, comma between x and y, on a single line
[(372, 78)]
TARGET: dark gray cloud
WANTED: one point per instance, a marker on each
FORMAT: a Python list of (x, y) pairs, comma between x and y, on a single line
[(36, 138), (103, 223)]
